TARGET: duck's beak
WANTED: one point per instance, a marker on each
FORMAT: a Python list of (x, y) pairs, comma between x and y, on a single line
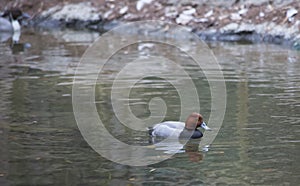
[(204, 126), (25, 16)]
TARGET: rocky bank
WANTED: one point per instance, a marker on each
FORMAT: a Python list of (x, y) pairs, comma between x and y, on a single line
[(274, 21)]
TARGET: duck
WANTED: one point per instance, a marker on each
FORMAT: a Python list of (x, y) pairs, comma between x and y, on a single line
[(187, 129), (10, 25), (10, 20)]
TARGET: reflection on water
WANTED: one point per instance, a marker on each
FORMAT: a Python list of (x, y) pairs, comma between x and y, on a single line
[(41, 144)]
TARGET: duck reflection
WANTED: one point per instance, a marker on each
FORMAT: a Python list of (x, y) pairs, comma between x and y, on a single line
[(192, 150), (171, 146), (10, 29), (10, 24)]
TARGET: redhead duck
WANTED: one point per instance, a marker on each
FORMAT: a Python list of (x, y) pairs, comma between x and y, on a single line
[(180, 129)]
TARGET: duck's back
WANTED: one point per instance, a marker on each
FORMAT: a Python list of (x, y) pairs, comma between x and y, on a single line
[(168, 128), (5, 25)]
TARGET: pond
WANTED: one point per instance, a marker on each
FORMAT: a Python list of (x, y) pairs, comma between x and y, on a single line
[(258, 142)]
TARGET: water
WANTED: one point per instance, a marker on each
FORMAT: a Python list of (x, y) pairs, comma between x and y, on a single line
[(258, 143)]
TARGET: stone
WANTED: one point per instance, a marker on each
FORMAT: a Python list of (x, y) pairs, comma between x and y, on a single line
[(209, 13), (189, 11), (81, 11), (235, 16), (184, 19), (290, 13), (231, 27), (123, 10), (141, 3)]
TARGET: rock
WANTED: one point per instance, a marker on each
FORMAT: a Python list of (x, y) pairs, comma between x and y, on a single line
[(243, 11), (123, 10), (209, 13), (221, 17), (81, 11), (131, 17), (111, 6), (276, 30), (292, 31), (246, 28), (231, 27), (143, 46), (296, 45), (171, 12), (201, 20), (290, 13), (184, 19), (261, 28), (107, 14), (235, 16), (158, 6), (189, 11), (261, 14), (141, 3), (51, 11)]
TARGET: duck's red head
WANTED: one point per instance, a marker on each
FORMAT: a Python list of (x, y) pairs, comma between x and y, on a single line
[(193, 121)]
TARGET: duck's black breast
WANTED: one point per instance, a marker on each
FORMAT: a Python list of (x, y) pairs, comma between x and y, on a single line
[(194, 134), (197, 134)]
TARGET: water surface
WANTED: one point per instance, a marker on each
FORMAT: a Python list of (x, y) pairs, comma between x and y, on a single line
[(258, 143)]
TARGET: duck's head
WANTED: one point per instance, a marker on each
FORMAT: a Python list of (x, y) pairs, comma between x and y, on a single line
[(15, 14), (194, 121)]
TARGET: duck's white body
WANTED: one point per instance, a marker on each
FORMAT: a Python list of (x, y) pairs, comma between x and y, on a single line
[(168, 128), (10, 25), (6, 25), (180, 129), (16, 26), (9, 29)]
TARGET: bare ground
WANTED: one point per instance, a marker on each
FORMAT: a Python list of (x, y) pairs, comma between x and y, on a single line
[(203, 16)]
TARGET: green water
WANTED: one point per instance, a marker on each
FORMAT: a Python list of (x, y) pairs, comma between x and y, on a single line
[(258, 143)]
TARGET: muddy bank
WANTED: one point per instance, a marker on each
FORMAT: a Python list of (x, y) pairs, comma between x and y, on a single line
[(274, 21)]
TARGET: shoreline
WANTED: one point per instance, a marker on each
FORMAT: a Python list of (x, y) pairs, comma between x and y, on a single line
[(232, 21)]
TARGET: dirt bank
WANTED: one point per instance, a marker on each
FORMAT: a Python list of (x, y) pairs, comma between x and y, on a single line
[(231, 20)]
